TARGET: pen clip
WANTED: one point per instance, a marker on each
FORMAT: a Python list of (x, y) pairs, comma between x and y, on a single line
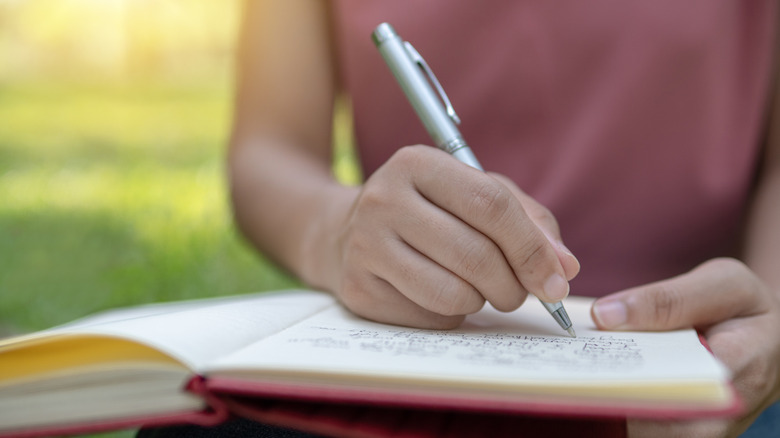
[(418, 59)]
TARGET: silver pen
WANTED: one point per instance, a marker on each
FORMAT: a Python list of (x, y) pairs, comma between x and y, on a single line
[(436, 113)]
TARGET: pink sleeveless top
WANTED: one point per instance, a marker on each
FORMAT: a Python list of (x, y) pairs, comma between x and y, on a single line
[(639, 124)]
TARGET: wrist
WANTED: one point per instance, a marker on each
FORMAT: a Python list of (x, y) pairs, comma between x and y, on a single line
[(319, 254)]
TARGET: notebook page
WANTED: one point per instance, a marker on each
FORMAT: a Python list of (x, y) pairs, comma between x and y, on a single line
[(196, 332), (523, 346)]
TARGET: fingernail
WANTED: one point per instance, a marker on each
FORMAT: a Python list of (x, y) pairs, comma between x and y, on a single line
[(556, 287), (610, 314)]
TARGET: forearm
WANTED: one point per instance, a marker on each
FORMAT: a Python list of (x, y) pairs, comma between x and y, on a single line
[(762, 244), (284, 199), (280, 152), (762, 239)]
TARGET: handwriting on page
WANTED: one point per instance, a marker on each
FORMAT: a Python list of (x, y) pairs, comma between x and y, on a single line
[(596, 353)]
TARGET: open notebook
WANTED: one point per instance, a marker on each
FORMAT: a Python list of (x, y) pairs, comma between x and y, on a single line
[(291, 351)]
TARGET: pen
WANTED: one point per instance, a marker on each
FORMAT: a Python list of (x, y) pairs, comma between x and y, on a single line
[(408, 67)]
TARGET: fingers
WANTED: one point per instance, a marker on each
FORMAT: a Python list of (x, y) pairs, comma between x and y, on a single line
[(425, 282), (544, 219), (715, 291), (374, 298), (487, 206), (736, 312), (428, 240), (461, 252)]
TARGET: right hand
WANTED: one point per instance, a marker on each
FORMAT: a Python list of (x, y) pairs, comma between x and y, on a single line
[(427, 240)]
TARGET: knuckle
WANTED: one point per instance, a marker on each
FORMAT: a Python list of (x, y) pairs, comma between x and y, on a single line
[(475, 261), (442, 301), (351, 295), (371, 198), (471, 303), (732, 269), (529, 254), (509, 302), (725, 264), (743, 283), (490, 201), (453, 298), (358, 248), (544, 217), (407, 156), (667, 301)]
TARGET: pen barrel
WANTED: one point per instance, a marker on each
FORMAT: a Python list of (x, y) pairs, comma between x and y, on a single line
[(423, 98), (558, 313), (465, 155)]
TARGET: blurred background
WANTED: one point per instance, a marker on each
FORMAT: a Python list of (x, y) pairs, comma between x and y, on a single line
[(114, 119)]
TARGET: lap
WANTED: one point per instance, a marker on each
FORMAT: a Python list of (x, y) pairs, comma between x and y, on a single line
[(768, 424)]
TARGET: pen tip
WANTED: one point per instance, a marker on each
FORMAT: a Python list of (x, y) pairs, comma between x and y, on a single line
[(571, 332)]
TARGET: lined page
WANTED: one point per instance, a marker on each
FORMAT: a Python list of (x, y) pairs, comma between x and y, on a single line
[(523, 346)]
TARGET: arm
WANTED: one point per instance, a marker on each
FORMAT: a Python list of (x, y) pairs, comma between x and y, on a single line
[(425, 241), (279, 156), (762, 242)]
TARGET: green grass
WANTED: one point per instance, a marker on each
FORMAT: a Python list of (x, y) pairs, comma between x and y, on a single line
[(116, 195), (113, 196)]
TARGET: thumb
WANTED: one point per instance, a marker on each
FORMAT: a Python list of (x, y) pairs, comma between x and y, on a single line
[(715, 291)]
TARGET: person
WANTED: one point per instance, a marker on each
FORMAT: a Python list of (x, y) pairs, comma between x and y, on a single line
[(638, 132)]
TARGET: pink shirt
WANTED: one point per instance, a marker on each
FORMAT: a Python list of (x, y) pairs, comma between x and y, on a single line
[(639, 124)]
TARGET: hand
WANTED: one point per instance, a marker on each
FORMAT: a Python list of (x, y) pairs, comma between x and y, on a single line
[(428, 239), (740, 318)]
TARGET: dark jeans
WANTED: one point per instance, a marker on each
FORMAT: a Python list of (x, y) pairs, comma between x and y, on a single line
[(767, 425), (234, 429)]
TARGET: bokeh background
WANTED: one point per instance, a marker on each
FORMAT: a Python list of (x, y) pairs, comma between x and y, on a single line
[(114, 120)]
